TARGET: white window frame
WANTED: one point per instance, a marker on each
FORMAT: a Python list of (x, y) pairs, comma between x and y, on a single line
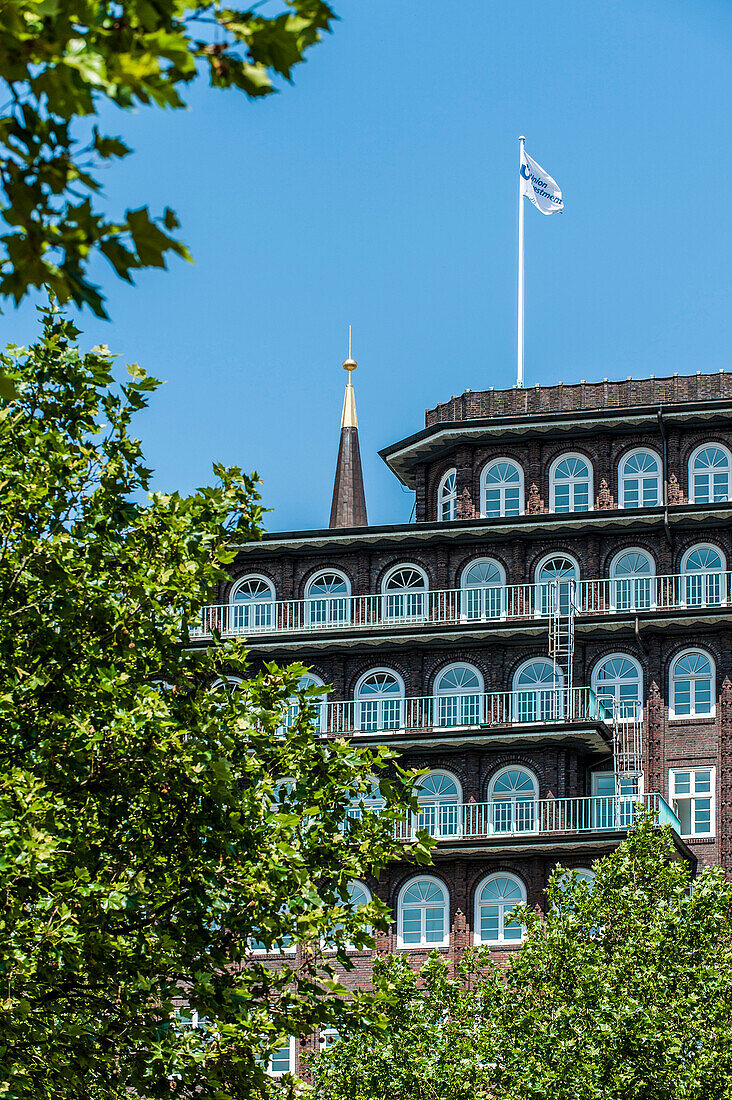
[(617, 683), (379, 700), (572, 482), (439, 816), (329, 618), (693, 715), (469, 705), (329, 948), (523, 808), (319, 704), (291, 1068), (710, 485), (542, 588), (502, 909), (538, 704), (714, 582), (328, 1037), (626, 598), (502, 488), (447, 498), (423, 942), (252, 614), (623, 477), (264, 951), (488, 601), (403, 595), (674, 798)]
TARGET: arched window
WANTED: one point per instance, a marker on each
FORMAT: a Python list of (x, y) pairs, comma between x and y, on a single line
[(459, 696), (640, 480), (447, 497), (570, 484), (422, 913), (512, 795), (379, 701), (358, 896), (692, 685), (404, 588), (502, 489), (318, 704), (252, 604), (537, 691), (369, 801), (709, 474), (617, 680), (632, 576), (483, 586), (580, 874), (573, 878), (327, 599), (440, 799), (705, 581), (495, 898), (557, 576)]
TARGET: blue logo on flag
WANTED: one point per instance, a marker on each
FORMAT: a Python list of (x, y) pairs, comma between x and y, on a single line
[(524, 170)]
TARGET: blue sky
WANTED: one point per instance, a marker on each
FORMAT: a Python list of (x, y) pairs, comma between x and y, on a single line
[(381, 191)]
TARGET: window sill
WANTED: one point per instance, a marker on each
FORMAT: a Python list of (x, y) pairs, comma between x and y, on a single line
[(426, 947), (686, 720)]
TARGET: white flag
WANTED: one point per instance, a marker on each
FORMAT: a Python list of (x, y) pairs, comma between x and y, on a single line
[(539, 187)]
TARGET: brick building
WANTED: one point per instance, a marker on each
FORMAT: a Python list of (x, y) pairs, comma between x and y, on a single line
[(551, 637)]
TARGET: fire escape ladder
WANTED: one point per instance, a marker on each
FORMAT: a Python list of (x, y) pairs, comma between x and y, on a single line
[(627, 747), (561, 600)]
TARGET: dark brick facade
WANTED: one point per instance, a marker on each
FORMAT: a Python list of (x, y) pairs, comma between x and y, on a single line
[(538, 400), (652, 636)]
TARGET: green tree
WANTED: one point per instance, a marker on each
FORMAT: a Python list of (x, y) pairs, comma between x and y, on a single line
[(153, 830), (62, 62), (623, 990), (431, 1044)]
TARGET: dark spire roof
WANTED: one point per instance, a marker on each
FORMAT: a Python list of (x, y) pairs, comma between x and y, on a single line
[(349, 502)]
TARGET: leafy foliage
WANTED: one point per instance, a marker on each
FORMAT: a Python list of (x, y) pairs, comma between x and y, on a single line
[(622, 989), (61, 62), (148, 840), (432, 1045), (625, 989)]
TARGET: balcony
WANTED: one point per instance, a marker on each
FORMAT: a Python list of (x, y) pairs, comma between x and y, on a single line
[(505, 819), (533, 712), (423, 610)]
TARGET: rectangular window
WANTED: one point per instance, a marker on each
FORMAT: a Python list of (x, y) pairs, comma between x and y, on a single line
[(282, 1060), (691, 791)]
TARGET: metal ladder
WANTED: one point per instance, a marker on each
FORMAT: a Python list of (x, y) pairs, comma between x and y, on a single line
[(561, 632), (627, 745)]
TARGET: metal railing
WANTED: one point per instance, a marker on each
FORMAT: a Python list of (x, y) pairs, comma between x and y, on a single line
[(468, 605), (511, 817), (543, 706)]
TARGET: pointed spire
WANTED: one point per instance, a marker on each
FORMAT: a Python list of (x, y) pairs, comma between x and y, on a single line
[(349, 502)]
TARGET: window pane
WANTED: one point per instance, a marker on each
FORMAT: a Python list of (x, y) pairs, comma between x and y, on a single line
[(489, 922), (281, 1060), (702, 815), (682, 783)]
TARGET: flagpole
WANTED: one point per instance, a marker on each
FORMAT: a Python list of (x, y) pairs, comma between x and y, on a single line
[(520, 344)]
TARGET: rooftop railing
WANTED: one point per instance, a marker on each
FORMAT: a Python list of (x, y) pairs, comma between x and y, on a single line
[(449, 607), (542, 707), (527, 817)]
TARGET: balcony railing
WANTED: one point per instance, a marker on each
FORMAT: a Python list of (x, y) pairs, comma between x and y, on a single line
[(543, 706), (526, 817), (468, 605)]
